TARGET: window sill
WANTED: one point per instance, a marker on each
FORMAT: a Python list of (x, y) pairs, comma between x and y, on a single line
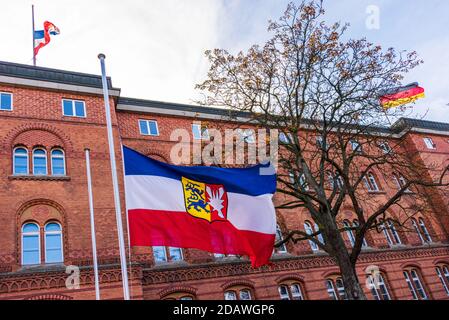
[(40, 178)]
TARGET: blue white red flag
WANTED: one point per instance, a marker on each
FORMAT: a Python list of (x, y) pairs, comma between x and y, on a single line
[(42, 37), (219, 210)]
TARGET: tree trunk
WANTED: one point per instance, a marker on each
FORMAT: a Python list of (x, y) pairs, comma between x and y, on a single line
[(353, 289)]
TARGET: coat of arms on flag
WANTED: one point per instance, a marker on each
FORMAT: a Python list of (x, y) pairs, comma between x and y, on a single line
[(205, 201)]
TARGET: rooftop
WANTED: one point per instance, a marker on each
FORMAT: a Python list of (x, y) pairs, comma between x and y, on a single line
[(23, 71)]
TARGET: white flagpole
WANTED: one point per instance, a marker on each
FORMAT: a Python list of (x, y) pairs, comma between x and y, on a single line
[(34, 39), (92, 225), (118, 210)]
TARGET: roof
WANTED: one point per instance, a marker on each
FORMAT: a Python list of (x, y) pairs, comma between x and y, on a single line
[(24, 71)]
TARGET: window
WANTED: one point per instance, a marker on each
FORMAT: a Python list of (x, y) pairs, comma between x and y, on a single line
[(219, 256), (378, 287), (321, 143), (429, 143), (5, 101), (53, 243), (238, 294), (371, 183), (356, 147), (335, 179), (20, 161), (279, 237), (148, 128), (334, 287), (31, 247), (73, 108), (349, 232), (39, 162), (400, 182), (199, 132), (309, 230), (285, 138), (415, 284), (443, 275), (248, 135), (179, 296), (355, 223), (290, 291), (57, 162), (167, 254), (303, 182), (385, 147), (390, 232)]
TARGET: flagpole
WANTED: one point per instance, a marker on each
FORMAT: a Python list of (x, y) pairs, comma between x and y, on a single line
[(92, 225), (118, 211), (34, 39)]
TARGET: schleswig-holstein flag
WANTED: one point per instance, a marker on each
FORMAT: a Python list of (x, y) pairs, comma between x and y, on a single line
[(220, 210)]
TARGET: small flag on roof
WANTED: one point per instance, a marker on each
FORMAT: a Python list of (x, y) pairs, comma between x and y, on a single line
[(402, 95), (42, 37)]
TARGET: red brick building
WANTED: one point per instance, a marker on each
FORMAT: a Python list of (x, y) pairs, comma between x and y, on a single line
[(49, 117)]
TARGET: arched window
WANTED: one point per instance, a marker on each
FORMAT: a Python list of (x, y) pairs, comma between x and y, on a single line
[(179, 296), (238, 294), (291, 291), (53, 243), (349, 232), (355, 224), (309, 230), (390, 232), (415, 284), (31, 244), (424, 230), (57, 162), (400, 182), (443, 274), (279, 237), (39, 162), (378, 286), (20, 161), (371, 183), (336, 289)]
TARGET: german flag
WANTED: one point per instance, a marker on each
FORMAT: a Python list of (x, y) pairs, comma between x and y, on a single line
[(403, 95)]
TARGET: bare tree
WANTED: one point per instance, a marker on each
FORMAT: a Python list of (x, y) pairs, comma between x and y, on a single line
[(322, 92)]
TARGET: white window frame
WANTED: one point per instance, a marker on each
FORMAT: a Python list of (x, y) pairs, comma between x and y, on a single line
[(245, 134), (38, 233), (14, 161), (165, 255), (285, 138), (147, 123), (418, 284), (249, 294), (46, 161), (279, 237), (73, 108), (349, 233), (356, 224), (45, 241), (298, 294), (376, 290), (429, 143), (443, 275), (356, 146), (309, 230), (229, 292), (418, 231), (424, 230), (393, 231), (331, 290), (285, 296), (174, 248), (12, 101), (385, 147), (59, 157), (203, 131)]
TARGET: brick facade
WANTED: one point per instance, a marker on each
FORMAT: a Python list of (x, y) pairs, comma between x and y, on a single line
[(36, 120)]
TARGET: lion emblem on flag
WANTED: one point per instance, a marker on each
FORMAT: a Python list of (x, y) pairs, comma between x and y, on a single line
[(205, 201)]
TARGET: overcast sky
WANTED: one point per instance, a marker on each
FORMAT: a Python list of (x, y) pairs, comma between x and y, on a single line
[(155, 48)]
